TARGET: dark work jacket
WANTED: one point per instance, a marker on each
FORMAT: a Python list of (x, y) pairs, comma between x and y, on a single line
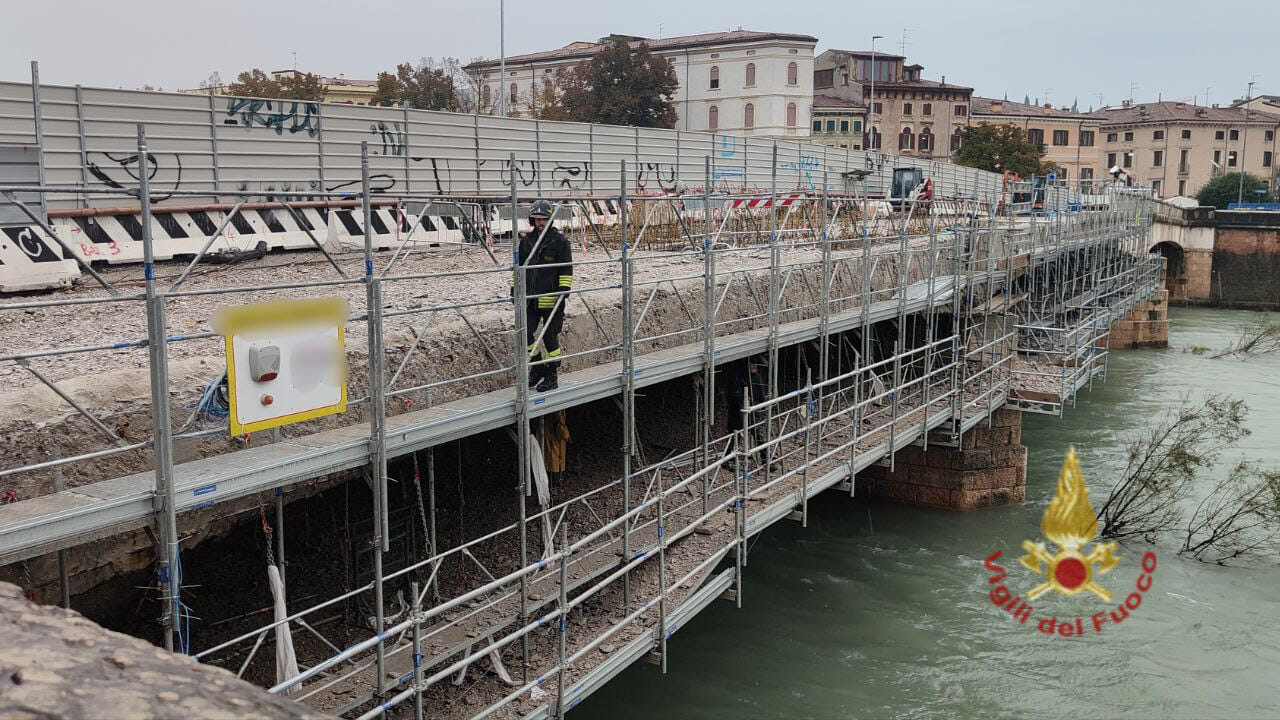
[(553, 250)]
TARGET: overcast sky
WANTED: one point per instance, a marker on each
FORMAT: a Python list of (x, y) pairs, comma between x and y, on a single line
[(1070, 50)]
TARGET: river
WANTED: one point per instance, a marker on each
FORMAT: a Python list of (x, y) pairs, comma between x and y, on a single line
[(881, 611)]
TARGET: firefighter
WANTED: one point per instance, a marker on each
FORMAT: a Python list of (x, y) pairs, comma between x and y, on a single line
[(545, 245)]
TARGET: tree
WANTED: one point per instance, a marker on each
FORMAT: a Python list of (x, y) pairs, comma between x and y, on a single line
[(1238, 516), (304, 86), (255, 83), (430, 85), (998, 148), (617, 86), (1224, 189), (1163, 463)]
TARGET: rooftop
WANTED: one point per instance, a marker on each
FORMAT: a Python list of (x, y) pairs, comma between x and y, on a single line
[(868, 53), (993, 106), (581, 49), (923, 84), (1173, 111), (830, 101)]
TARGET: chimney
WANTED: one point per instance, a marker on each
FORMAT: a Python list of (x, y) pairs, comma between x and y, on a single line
[(1125, 103), (997, 107), (944, 79)]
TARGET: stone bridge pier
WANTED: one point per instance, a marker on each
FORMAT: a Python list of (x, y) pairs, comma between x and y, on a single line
[(988, 469)]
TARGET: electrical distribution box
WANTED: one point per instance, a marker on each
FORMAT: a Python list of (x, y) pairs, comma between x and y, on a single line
[(285, 362)]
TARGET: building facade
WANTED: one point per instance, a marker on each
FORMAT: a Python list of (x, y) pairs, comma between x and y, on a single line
[(1069, 139), (742, 82), (837, 122), (1176, 147), (909, 115)]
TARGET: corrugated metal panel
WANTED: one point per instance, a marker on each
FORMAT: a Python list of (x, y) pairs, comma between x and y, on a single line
[(211, 144), (19, 165)]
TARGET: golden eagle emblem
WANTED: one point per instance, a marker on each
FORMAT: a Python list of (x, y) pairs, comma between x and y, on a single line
[(1070, 523)]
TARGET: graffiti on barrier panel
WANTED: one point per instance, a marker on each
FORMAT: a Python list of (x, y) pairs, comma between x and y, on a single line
[(120, 171), (280, 115)]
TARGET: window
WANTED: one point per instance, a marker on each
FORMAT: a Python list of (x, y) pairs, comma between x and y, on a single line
[(1113, 137), (1157, 135), (1035, 136), (715, 77), (955, 140), (926, 140), (1128, 159), (962, 110), (751, 74), (817, 126), (485, 95), (844, 126), (906, 108), (906, 141), (1182, 161), (1157, 158), (1086, 138), (831, 126), (1217, 157), (1182, 187), (872, 139), (877, 108), (1231, 159), (823, 79), (1155, 186), (793, 74), (1186, 135), (1111, 160), (791, 115), (857, 126), (1219, 135), (1128, 137), (1269, 136), (713, 118), (1266, 158), (749, 116), (926, 109), (514, 92), (1060, 137), (1086, 173), (1235, 134)]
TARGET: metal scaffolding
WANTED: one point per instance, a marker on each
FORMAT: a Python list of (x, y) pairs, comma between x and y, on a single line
[(882, 324)]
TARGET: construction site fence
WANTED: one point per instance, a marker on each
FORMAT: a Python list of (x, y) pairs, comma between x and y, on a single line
[(72, 137)]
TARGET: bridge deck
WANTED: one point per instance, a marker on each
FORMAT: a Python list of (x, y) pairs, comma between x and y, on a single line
[(90, 512)]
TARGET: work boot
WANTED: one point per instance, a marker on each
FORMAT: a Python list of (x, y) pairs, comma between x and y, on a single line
[(536, 374), (549, 381)]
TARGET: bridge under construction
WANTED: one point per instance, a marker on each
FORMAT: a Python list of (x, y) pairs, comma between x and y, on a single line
[(753, 322)]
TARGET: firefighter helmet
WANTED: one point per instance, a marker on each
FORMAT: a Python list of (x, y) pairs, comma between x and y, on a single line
[(540, 209)]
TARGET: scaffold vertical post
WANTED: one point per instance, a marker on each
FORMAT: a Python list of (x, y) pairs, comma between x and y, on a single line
[(64, 580), (775, 301), (417, 650), (662, 571), (708, 333), (170, 569), (377, 414), (740, 508), (564, 618), (824, 329), (628, 379), (520, 345)]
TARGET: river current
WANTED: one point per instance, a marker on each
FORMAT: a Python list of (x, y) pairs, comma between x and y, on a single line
[(882, 611)]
